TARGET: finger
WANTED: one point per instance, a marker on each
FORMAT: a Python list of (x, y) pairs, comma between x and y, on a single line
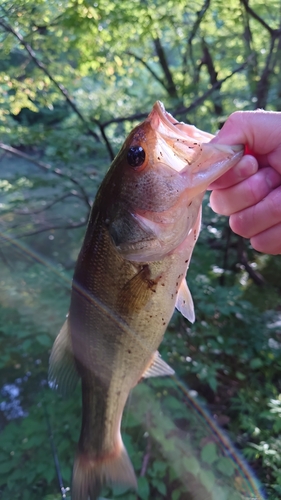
[(260, 130), (246, 193), (246, 167), (258, 218), (268, 241)]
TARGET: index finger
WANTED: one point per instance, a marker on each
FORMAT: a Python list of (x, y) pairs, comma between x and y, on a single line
[(246, 167)]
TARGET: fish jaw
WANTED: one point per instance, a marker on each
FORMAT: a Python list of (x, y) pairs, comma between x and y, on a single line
[(212, 161), (188, 151), (167, 125)]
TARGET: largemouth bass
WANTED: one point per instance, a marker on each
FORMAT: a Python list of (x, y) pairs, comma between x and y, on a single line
[(129, 277)]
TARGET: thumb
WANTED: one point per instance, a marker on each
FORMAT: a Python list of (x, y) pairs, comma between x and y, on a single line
[(259, 130)]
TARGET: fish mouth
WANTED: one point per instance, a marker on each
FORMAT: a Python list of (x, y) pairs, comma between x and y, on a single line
[(165, 123), (185, 148)]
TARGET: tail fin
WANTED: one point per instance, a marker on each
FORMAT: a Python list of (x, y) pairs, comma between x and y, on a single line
[(90, 474)]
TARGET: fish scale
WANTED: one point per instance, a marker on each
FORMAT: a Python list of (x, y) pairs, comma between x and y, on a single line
[(129, 277)]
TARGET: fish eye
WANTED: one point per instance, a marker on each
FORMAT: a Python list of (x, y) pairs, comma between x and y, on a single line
[(136, 156)]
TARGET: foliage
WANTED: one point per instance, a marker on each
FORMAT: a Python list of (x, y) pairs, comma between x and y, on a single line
[(75, 76)]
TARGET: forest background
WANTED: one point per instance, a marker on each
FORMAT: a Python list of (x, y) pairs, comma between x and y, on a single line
[(75, 77)]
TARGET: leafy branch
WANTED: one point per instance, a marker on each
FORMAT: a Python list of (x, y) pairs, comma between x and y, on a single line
[(47, 168), (193, 31), (273, 32), (207, 60), (243, 259), (146, 65), (183, 109), (263, 84), (9, 29), (186, 109), (170, 86)]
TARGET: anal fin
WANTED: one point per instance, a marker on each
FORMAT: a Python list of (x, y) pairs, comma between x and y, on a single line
[(63, 375), (158, 368)]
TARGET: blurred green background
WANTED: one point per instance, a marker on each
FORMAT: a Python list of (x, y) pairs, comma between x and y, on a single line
[(75, 77)]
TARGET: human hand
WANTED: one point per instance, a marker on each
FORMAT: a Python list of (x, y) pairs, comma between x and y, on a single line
[(250, 193)]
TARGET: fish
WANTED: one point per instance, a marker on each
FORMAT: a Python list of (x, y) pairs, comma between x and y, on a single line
[(129, 277)]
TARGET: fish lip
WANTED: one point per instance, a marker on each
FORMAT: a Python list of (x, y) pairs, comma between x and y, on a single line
[(163, 122), (235, 148), (159, 116), (178, 143), (182, 146), (159, 113)]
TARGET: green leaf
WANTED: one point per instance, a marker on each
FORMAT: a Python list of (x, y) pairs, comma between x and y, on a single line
[(256, 363), (225, 466), (191, 465), (174, 404), (159, 468), (208, 479), (209, 453), (143, 488), (6, 467), (176, 494), (212, 381), (44, 340), (160, 486)]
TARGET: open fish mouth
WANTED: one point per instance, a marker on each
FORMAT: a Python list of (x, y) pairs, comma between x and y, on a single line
[(185, 148), (166, 124)]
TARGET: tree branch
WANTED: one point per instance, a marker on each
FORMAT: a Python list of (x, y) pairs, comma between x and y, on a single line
[(72, 225), (171, 87), (258, 18), (47, 168), (108, 145), (181, 110), (5, 260), (243, 259), (49, 205), (227, 238), (151, 71), (200, 15), (121, 119), (200, 99), (253, 66), (42, 66), (263, 83), (208, 61)]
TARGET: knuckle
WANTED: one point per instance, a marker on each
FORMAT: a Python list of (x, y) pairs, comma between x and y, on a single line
[(235, 222), (243, 223), (233, 120), (253, 189), (274, 207)]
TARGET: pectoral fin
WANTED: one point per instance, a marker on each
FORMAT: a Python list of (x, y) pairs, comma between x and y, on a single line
[(63, 375), (184, 302), (136, 292), (158, 368)]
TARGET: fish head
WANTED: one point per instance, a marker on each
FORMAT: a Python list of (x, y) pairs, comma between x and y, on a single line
[(155, 186)]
